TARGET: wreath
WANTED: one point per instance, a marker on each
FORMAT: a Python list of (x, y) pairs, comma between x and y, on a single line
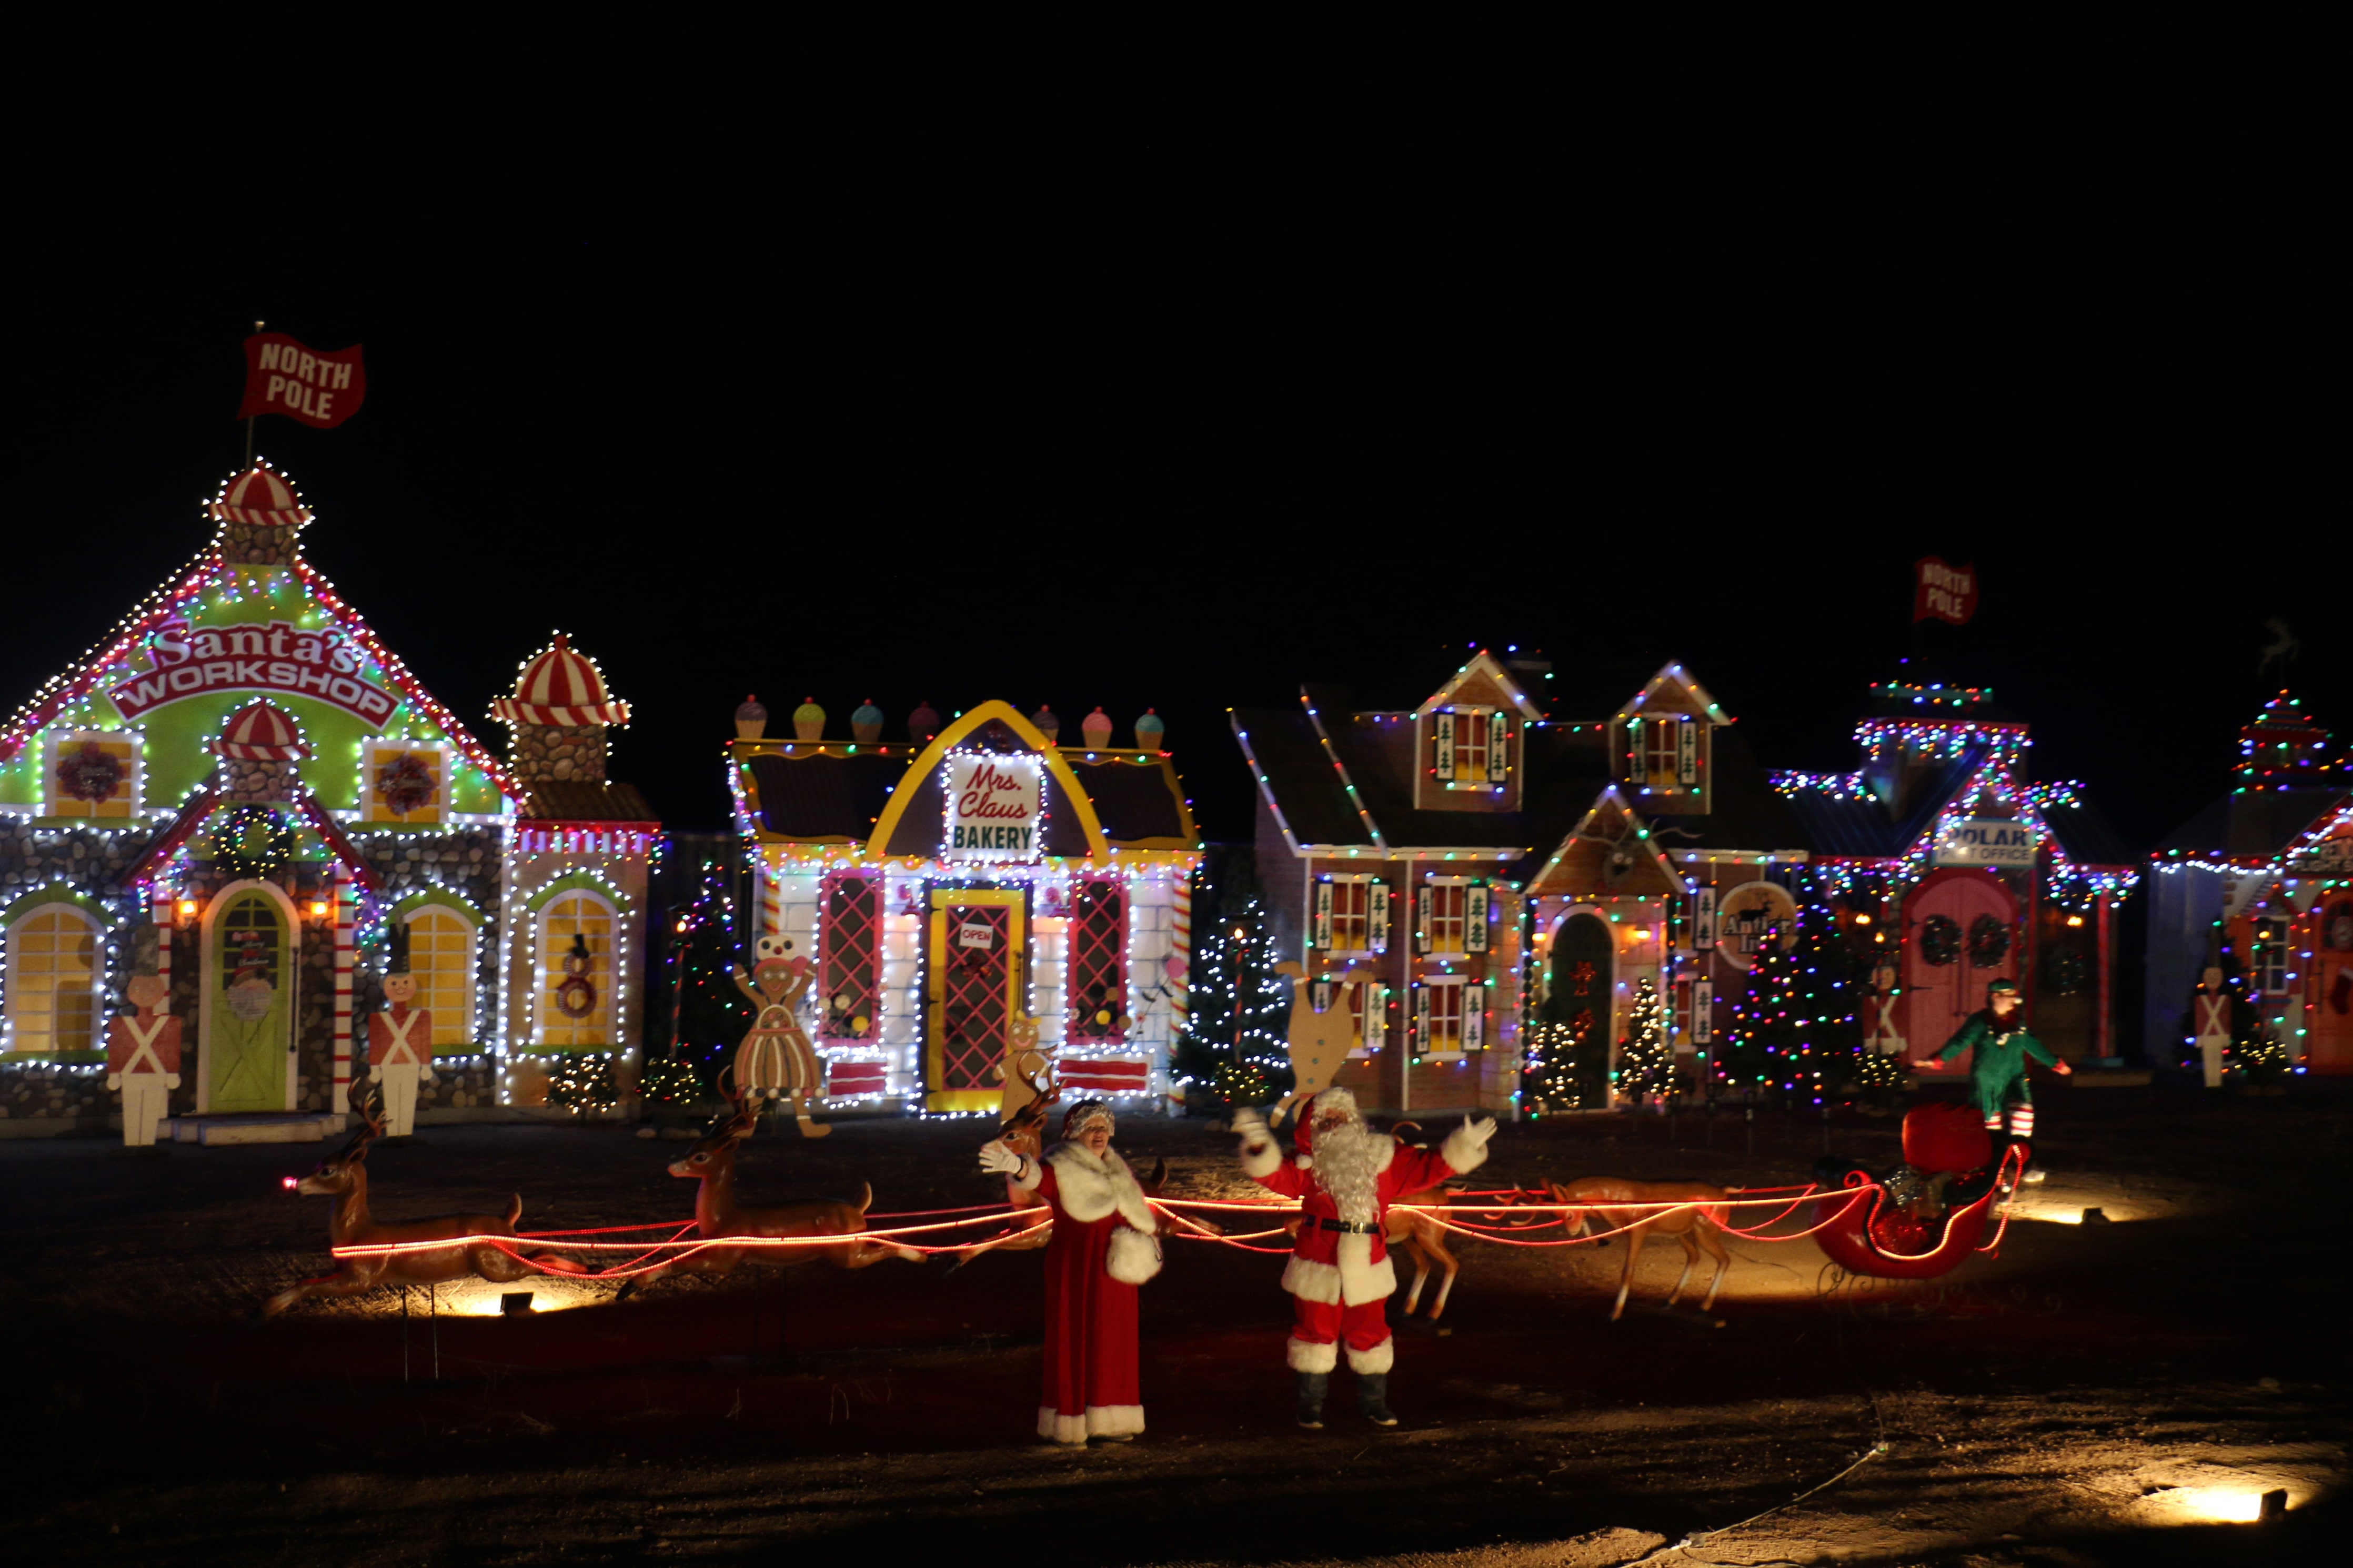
[(1940, 940), (91, 773), (252, 841), (405, 783), (1988, 943)]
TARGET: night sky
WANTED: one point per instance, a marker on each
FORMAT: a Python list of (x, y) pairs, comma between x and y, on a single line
[(1180, 409)]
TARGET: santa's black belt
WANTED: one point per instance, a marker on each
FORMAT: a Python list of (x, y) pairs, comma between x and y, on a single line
[(1347, 1227)]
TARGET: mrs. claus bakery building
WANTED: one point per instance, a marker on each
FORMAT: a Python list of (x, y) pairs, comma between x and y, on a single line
[(243, 764), (1454, 871)]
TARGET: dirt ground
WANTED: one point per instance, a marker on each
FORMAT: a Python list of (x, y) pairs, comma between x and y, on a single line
[(2105, 1393)]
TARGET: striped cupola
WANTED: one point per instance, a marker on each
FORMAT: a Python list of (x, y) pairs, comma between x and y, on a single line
[(558, 716), (260, 513), (560, 687), (261, 732)]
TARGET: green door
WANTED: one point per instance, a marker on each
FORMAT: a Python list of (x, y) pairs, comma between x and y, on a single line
[(246, 1033)]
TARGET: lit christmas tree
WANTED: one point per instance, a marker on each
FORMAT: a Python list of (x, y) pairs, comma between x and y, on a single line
[(1795, 1028), (701, 1017), (1236, 1037), (1646, 1063)]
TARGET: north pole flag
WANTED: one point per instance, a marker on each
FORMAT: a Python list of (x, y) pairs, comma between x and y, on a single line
[(1942, 593), (282, 376)]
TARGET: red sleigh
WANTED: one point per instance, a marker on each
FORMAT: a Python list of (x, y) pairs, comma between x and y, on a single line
[(1863, 1229)]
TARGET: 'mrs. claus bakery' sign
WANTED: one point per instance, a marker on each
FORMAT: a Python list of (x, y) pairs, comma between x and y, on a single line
[(279, 657), (996, 805)]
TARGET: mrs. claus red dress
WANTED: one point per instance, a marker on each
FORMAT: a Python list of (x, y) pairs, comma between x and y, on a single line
[(1101, 1249)]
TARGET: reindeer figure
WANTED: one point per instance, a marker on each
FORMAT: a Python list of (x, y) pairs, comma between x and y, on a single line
[(1424, 1240), (343, 1177), (717, 1215), (1320, 1042), (1688, 1211)]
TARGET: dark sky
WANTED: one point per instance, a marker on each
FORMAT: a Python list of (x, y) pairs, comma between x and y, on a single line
[(1178, 403)]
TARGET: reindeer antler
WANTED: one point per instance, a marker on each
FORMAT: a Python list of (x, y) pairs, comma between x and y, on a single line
[(370, 1105)]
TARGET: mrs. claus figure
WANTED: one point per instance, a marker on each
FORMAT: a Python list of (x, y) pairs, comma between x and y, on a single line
[(1104, 1246)]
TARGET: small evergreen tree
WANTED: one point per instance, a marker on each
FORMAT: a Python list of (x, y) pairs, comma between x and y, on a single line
[(1236, 1043), (1795, 1028), (712, 1015), (1646, 1062)]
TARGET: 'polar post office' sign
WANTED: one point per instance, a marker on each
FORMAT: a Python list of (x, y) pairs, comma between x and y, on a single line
[(1987, 841), (996, 808)]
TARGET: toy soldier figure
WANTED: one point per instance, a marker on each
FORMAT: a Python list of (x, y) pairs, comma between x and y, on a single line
[(400, 1039), (2212, 1017), (143, 1053), (1997, 1064)]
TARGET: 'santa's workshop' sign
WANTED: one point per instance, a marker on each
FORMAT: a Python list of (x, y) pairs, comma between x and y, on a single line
[(279, 656), (996, 805)]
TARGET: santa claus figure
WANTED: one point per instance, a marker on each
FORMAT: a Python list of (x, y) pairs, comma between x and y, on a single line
[(1345, 1175), (142, 1052), (400, 1039), (1104, 1245)]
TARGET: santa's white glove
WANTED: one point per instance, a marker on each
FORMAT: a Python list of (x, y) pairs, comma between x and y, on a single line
[(1479, 1128), (1250, 1127), (996, 1159)]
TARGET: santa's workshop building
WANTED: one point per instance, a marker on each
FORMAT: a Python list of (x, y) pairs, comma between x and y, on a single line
[(974, 878), (2260, 886), (243, 764), (1456, 871)]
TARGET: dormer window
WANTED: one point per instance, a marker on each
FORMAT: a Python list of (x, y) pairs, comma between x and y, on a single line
[(1471, 748), (1663, 753)]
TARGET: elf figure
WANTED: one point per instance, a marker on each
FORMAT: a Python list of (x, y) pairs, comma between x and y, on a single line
[(400, 1039), (775, 1059), (143, 1053), (1998, 1067)]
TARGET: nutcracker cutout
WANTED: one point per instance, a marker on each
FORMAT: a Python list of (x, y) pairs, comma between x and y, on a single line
[(142, 1049), (775, 1059), (400, 1039), (2213, 1014)]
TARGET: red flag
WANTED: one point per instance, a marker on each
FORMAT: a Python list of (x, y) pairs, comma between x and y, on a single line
[(281, 376), (1942, 593)]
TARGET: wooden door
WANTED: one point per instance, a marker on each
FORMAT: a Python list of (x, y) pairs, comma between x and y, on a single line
[(974, 976), (247, 1011), (2328, 1047), (1953, 922)]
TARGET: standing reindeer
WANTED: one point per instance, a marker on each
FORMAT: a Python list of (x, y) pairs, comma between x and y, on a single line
[(343, 1177), (717, 1215), (1688, 1211), (1422, 1238)]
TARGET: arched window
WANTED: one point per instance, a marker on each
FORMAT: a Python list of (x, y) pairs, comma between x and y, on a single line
[(53, 975), (575, 994), (441, 957)]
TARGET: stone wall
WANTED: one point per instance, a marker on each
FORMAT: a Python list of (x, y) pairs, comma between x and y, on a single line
[(558, 752), (244, 779), (256, 544), (54, 1091)]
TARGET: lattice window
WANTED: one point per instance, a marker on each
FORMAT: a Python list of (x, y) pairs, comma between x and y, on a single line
[(53, 967), (441, 957), (850, 940), (570, 1015), (973, 1003), (1097, 962)]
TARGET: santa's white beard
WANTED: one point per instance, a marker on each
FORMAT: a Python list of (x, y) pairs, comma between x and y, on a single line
[(1348, 1164)]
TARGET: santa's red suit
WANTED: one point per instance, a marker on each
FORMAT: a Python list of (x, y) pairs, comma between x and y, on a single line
[(1340, 1277), (1103, 1248)]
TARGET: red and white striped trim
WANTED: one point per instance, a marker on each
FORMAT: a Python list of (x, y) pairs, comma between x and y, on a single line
[(343, 956), (258, 495), (1104, 1075), (261, 732), (560, 687), (856, 1078)]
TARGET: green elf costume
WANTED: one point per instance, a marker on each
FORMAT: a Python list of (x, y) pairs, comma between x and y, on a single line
[(1998, 1067)]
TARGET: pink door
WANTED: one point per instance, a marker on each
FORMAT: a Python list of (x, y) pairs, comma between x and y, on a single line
[(1960, 930)]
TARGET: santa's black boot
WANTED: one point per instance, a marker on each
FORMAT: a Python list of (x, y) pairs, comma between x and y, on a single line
[(1312, 1388), (1373, 1398)]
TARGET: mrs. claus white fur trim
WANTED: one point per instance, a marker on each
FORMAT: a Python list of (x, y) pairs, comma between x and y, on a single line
[(1134, 1258), (1095, 1186)]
